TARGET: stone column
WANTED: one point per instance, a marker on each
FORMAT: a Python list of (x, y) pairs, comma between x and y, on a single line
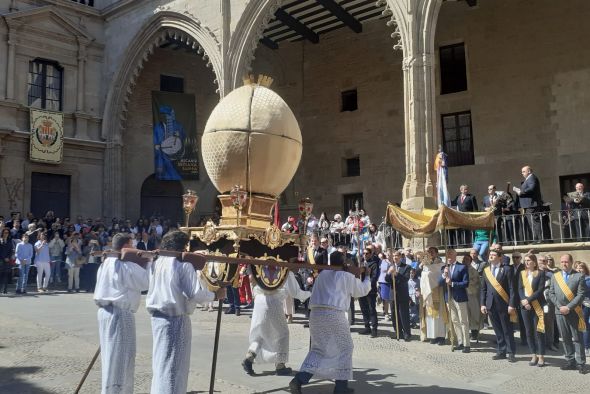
[(81, 85), (415, 22), (11, 59), (112, 198)]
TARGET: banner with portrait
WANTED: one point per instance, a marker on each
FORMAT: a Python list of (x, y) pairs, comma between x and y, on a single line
[(175, 136), (47, 136)]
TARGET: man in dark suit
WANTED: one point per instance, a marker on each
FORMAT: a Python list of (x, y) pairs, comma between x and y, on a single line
[(455, 278), (567, 294), (400, 273), (531, 201), (465, 202), (498, 299), (368, 303)]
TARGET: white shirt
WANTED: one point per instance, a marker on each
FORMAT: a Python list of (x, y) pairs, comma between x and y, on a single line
[(333, 289), (120, 283), (175, 288)]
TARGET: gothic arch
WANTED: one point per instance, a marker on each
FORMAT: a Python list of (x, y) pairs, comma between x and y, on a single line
[(183, 26)]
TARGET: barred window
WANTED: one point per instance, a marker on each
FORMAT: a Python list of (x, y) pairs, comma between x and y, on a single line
[(45, 84), (458, 139)]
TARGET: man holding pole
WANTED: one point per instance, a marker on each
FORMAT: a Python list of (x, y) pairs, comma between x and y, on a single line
[(174, 291), (398, 276), (118, 293)]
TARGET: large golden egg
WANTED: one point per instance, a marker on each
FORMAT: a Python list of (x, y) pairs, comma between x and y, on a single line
[(252, 139)]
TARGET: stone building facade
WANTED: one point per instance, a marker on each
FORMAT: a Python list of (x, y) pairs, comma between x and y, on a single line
[(524, 100)]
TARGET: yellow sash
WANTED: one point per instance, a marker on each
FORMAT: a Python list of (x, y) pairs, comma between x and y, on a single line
[(310, 257), (501, 292), (570, 296), (528, 291)]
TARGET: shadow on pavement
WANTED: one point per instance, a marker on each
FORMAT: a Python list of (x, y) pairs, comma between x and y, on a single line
[(14, 380)]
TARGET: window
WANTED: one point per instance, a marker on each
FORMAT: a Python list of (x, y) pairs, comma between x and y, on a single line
[(45, 84), (458, 139), (171, 84), (349, 103), (349, 201), (50, 192), (352, 167), (453, 70)]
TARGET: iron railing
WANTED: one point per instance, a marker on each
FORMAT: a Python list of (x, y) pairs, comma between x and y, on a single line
[(511, 230)]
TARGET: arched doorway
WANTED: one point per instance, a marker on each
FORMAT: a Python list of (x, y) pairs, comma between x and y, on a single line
[(161, 199)]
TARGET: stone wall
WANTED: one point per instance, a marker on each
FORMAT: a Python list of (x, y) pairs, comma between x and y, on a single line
[(137, 136), (528, 84), (311, 78)]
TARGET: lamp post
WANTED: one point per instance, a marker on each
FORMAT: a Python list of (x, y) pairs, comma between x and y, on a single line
[(189, 201), (238, 198), (305, 208)]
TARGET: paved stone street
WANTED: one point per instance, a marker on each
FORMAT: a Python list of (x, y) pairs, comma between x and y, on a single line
[(47, 340)]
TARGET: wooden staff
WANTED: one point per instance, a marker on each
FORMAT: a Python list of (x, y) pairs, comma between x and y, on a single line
[(87, 371), (451, 328), (395, 304)]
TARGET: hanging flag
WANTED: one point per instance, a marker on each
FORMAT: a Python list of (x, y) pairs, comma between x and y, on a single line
[(442, 177), (47, 137)]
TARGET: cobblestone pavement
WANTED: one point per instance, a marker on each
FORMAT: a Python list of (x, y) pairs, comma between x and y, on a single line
[(47, 341)]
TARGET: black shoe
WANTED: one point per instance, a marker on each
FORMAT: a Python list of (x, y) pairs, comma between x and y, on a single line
[(77, 290), (23, 291), (230, 311), (500, 356), (374, 333), (238, 312), (460, 347), (70, 291), (582, 369), (511, 358), (433, 341), (366, 331), (344, 391), (247, 365), (408, 338), (441, 342), (286, 371), (295, 386), (18, 291), (306, 325), (466, 349), (568, 367)]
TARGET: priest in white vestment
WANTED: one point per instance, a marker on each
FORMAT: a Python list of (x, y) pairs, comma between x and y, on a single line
[(118, 293), (433, 309), (269, 332), (174, 291), (330, 356)]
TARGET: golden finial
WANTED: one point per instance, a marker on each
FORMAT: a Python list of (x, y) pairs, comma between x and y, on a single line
[(263, 80)]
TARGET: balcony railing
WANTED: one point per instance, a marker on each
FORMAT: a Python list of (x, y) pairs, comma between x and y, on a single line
[(511, 230)]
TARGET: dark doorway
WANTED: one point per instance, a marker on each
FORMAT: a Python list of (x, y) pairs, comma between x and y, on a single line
[(349, 201), (50, 192), (162, 199)]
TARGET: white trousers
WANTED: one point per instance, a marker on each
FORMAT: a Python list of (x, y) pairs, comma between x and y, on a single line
[(43, 268), (73, 276)]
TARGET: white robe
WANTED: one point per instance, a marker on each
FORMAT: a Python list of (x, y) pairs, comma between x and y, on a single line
[(330, 356), (175, 290), (269, 333), (118, 292), (435, 325)]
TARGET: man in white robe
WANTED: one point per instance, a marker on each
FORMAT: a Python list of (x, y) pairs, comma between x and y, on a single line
[(118, 293), (174, 291), (433, 310), (269, 333), (330, 356)]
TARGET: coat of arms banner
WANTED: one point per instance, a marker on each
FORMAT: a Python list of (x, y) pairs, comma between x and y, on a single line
[(175, 136), (47, 137)]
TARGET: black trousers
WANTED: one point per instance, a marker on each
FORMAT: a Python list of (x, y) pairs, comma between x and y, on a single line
[(369, 309), (521, 325), (352, 310), (535, 339), (403, 316), (533, 215), (503, 330), (5, 278)]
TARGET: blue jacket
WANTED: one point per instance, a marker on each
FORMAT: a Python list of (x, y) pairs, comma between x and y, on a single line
[(459, 282)]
